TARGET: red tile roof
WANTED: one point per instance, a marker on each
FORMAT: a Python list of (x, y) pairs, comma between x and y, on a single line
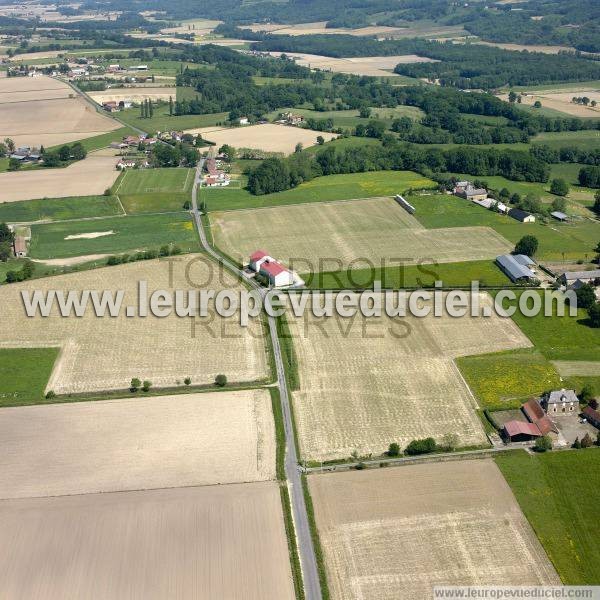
[(272, 268), (545, 425), (258, 255), (533, 410), (519, 427), (592, 414)]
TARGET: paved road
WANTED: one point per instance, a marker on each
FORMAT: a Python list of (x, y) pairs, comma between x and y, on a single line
[(310, 573)]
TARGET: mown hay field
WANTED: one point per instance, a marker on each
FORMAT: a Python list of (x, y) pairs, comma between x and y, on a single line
[(267, 137), (196, 542), (137, 443), (38, 111), (372, 230), (134, 94), (144, 181), (365, 382), (394, 534), (106, 353), (88, 177)]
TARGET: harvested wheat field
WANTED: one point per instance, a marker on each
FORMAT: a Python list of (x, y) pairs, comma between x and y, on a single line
[(268, 137), (203, 542), (373, 229), (366, 382), (381, 66), (36, 111), (394, 534), (133, 94), (562, 101), (320, 27), (131, 444), (90, 176), (106, 353)]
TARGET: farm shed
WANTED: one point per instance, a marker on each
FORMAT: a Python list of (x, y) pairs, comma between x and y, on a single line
[(535, 414), (521, 215), (568, 278), (516, 267), (559, 216), (409, 208), (518, 431), (593, 416), (20, 246)]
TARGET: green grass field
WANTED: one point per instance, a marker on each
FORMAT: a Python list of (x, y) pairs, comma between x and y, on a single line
[(586, 140), (505, 380), (154, 190), (24, 373), (129, 234), (452, 274), (558, 493), (561, 338), (59, 209), (557, 241), (321, 189), (144, 181), (161, 121)]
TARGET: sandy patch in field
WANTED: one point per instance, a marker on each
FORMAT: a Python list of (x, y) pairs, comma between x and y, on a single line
[(561, 101), (394, 534), (223, 42), (136, 94), (160, 442), (373, 229), (50, 119), (367, 382), (87, 177), (106, 353), (69, 262), (319, 27), (207, 542), (195, 26), (381, 66), (89, 236), (530, 48), (268, 137)]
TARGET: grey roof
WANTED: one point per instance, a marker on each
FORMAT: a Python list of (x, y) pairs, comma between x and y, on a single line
[(523, 259), (471, 191), (583, 275), (514, 269), (519, 214), (560, 396), (559, 215)]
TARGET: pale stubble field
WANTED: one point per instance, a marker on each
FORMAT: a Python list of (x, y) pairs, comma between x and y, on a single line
[(394, 534), (367, 382), (106, 353)]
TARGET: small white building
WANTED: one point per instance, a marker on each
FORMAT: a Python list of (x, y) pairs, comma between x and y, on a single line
[(273, 270), (244, 121)]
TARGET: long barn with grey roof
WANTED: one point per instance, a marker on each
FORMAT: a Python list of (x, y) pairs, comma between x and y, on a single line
[(516, 267)]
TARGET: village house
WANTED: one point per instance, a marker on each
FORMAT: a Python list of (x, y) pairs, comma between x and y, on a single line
[(521, 215), (517, 267), (561, 403), (292, 119), (465, 189), (111, 106)]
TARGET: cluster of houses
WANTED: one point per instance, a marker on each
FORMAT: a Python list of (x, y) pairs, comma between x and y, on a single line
[(273, 271), (289, 118), (466, 190), (215, 177), (112, 106), (541, 415), (26, 154)]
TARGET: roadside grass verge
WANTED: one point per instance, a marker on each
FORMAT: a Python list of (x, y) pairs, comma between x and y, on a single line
[(504, 380), (459, 274), (558, 493), (322, 189), (24, 373), (314, 533), (123, 234), (292, 543), (289, 354), (279, 433), (59, 209)]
